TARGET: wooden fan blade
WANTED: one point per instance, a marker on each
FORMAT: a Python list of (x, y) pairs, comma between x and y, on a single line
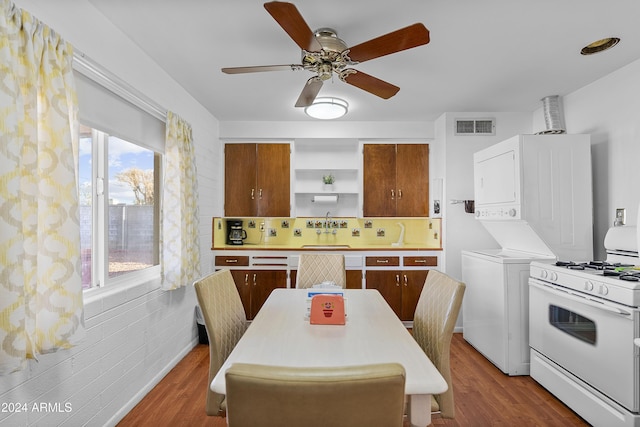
[(287, 15), (371, 84), (402, 39), (260, 68), (310, 91)]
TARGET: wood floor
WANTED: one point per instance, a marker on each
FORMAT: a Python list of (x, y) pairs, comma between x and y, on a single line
[(484, 396)]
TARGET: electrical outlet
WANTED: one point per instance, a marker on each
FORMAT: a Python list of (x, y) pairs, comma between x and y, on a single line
[(262, 226), (621, 217)]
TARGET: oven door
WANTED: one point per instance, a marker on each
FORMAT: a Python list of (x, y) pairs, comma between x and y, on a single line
[(592, 340)]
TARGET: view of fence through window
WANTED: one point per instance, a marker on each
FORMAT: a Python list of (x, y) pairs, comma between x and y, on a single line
[(121, 207)]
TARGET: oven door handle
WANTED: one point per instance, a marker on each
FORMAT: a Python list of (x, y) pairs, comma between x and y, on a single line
[(577, 298)]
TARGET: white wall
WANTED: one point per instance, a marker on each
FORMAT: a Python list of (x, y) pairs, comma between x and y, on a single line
[(324, 129), (461, 231), (137, 333), (609, 110)]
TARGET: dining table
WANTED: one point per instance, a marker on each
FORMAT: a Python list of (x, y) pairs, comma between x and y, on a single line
[(282, 335)]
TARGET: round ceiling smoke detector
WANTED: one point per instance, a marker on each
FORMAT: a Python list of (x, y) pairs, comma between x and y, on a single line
[(600, 45)]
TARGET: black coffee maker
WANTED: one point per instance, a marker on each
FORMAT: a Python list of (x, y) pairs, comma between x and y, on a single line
[(235, 233)]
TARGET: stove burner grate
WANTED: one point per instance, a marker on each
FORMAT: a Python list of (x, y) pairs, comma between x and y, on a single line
[(609, 269), (629, 276), (566, 264)]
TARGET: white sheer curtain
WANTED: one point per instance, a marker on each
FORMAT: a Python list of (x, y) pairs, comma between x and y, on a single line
[(180, 245), (41, 307)]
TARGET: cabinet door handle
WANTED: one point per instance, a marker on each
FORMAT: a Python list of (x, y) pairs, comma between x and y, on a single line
[(420, 260), (253, 191), (406, 280), (382, 261), (246, 279), (260, 194), (393, 194), (231, 261), (399, 194), (397, 280), (254, 280)]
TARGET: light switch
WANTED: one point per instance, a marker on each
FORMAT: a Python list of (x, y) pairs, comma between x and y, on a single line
[(621, 217)]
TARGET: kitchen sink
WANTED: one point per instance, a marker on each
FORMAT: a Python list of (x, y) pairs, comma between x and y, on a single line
[(325, 246)]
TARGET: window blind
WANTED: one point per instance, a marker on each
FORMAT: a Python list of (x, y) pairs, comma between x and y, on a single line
[(134, 119)]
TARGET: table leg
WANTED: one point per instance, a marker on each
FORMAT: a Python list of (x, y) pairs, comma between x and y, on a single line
[(420, 410)]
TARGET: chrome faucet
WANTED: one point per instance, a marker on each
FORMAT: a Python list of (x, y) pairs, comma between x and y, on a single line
[(327, 224), (327, 218)]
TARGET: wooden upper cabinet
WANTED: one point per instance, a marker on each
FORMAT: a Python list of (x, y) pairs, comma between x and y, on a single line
[(257, 180), (412, 180), (273, 178), (396, 180), (379, 177), (240, 165)]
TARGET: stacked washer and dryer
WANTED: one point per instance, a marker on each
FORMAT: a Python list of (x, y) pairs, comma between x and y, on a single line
[(533, 193)]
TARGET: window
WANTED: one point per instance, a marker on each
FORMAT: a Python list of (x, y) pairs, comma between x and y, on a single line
[(573, 324), (119, 212), (121, 147)]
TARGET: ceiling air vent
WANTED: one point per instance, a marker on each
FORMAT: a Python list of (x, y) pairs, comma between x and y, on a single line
[(475, 127)]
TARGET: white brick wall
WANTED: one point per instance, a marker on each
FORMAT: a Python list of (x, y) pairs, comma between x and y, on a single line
[(129, 347)]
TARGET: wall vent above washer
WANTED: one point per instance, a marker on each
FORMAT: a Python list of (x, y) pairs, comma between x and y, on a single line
[(475, 127)]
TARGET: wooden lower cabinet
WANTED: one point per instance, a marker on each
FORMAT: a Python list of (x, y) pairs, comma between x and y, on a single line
[(400, 288), (399, 279), (255, 286)]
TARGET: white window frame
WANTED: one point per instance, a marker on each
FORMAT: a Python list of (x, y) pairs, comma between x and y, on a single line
[(100, 192)]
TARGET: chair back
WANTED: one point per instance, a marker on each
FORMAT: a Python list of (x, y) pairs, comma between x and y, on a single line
[(225, 321), (433, 323), (317, 268), (354, 396)]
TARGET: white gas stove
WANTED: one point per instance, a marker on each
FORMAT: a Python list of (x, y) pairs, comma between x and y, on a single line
[(616, 282), (584, 323)]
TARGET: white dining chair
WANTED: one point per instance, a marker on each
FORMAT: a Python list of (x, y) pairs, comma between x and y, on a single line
[(350, 396), (314, 269), (433, 323), (225, 322)]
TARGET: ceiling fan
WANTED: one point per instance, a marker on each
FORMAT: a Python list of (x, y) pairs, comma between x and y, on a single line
[(324, 54)]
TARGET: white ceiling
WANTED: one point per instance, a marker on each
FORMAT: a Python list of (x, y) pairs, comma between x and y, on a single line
[(484, 56)]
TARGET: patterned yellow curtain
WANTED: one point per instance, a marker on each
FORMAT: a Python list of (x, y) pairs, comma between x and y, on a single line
[(41, 307), (180, 244)]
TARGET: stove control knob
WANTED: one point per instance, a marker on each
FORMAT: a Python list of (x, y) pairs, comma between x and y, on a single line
[(554, 276), (544, 274), (604, 290), (512, 212), (588, 285)]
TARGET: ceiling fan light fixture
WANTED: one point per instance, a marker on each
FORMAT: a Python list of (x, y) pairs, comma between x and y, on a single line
[(327, 108)]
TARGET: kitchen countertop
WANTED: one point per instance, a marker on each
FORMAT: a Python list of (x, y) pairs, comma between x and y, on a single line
[(275, 247)]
